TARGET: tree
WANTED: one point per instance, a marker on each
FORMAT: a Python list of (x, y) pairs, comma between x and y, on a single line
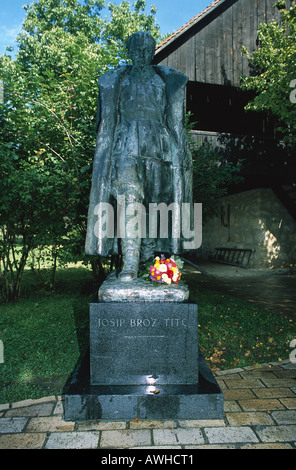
[(47, 137), (274, 64), (30, 208), (47, 127), (212, 176), (124, 23)]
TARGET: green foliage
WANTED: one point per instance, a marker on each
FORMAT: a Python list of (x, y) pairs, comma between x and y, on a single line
[(47, 125), (274, 64), (211, 177), (124, 22), (213, 174)]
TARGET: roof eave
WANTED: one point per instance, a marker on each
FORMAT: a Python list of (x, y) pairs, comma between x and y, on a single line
[(201, 17)]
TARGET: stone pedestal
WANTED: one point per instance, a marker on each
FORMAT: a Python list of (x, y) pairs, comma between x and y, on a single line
[(143, 362), (142, 343), (139, 290), (83, 401)]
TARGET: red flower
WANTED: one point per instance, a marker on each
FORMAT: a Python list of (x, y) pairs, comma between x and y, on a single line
[(170, 274)]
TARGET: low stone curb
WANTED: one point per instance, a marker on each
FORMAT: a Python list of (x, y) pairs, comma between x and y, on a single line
[(259, 413)]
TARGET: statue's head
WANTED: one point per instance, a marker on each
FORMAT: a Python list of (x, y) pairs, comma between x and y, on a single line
[(141, 47)]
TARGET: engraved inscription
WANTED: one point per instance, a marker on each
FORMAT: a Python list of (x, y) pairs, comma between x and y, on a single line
[(175, 322), (142, 323), (136, 322), (117, 322)]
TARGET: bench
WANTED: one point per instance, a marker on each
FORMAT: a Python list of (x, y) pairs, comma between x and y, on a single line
[(233, 256)]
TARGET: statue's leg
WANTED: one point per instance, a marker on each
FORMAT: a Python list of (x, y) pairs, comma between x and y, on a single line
[(131, 255), (147, 249), (130, 242), (127, 185)]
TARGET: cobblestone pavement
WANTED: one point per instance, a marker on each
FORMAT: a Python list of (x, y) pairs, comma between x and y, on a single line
[(259, 413)]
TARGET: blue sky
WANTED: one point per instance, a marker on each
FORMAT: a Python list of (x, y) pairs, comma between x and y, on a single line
[(171, 15)]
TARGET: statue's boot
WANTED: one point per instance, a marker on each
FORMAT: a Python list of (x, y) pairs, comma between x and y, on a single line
[(147, 250), (131, 256)]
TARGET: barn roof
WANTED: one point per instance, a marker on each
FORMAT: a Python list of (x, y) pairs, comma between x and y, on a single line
[(190, 24), (208, 48)]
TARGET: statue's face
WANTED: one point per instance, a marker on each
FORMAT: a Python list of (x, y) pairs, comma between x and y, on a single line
[(141, 51)]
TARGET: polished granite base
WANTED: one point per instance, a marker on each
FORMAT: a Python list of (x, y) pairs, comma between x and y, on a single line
[(83, 401), (136, 343)]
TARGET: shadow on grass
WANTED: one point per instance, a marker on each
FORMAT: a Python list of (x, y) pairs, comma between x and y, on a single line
[(89, 289), (44, 333)]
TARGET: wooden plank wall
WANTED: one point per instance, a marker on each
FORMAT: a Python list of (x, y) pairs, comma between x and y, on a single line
[(213, 55), (201, 137)]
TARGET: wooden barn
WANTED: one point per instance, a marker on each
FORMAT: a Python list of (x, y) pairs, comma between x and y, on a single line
[(257, 222)]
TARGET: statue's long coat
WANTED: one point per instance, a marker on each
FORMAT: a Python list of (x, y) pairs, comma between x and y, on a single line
[(175, 85)]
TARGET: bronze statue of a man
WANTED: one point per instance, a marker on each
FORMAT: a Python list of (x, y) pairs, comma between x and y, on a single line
[(142, 154)]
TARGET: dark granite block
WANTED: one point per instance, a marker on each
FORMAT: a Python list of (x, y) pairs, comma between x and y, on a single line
[(143, 343), (143, 362), (84, 401)]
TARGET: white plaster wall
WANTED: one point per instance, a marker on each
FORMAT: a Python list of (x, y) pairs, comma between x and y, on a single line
[(257, 220)]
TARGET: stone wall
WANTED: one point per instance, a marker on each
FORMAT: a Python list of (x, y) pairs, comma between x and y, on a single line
[(256, 220)]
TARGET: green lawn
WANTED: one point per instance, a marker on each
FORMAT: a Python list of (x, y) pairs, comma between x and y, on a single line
[(235, 333), (46, 331), (43, 335)]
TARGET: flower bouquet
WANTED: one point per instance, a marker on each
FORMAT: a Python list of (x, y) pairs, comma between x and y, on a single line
[(165, 270)]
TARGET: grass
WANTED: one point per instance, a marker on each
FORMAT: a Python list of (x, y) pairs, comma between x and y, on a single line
[(234, 333), (46, 331), (43, 335)]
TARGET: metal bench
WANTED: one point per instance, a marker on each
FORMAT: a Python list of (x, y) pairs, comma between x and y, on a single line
[(233, 256)]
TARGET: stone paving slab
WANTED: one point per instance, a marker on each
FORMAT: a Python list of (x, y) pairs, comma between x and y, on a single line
[(126, 438), (231, 435), (281, 433), (10, 425), (22, 441), (261, 404), (39, 409), (238, 393), (289, 403), (30, 402), (259, 413), (273, 446), (73, 440), (99, 425), (178, 436), (274, 392), (49, 424), (212, 446), (249, 419), (284, 417)]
